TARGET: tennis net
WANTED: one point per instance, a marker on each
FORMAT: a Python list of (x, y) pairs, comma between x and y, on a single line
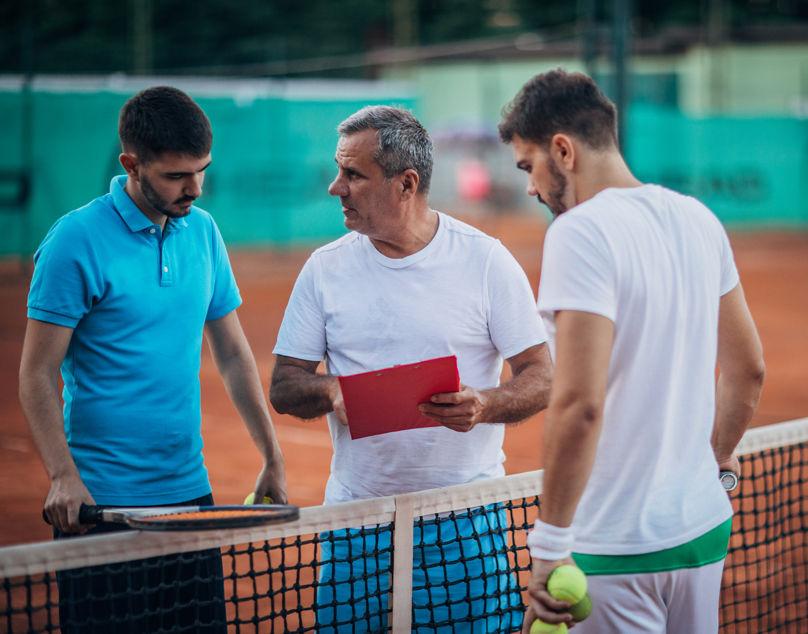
[(451, 559)]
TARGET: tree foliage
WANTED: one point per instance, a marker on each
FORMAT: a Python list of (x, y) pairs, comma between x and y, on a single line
[(260, 36)]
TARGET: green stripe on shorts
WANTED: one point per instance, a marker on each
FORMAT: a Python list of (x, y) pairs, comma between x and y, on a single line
[(707, 549)]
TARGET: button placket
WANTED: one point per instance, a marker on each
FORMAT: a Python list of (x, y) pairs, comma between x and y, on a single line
[(166, 264)]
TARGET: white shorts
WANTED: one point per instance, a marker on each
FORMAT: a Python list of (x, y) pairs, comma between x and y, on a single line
[(682, 601)]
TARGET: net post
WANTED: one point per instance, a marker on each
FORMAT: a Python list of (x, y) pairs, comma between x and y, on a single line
[(401, 596)]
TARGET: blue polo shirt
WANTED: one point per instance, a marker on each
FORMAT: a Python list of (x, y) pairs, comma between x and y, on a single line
[(137, 300)]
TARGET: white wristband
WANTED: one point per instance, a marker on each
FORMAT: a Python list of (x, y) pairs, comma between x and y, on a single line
[(550, 542)]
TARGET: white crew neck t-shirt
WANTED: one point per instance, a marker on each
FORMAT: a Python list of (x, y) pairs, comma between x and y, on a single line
[(655, 263), (463, 294)]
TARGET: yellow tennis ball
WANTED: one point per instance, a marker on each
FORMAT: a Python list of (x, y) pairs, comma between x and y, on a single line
[(582, 608), (567, 583), (251, 498), (540, 627)]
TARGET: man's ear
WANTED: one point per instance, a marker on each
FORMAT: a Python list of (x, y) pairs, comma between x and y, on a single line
[(409, 181), (129, 163), (563, 150)]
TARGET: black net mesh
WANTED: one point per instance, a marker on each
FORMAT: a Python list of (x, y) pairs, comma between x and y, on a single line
[(765, 586), (470, 569)]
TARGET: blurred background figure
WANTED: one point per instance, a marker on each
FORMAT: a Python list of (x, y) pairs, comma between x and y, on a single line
[(473, 181)]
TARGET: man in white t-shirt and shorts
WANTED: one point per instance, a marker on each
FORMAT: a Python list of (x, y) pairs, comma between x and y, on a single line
[(641, 297), (409, 284)]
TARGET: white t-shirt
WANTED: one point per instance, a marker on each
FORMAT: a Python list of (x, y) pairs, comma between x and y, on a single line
[(463, 294), (655, 263)]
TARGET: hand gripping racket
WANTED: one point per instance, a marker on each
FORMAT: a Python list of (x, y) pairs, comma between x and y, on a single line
[(183, 518)]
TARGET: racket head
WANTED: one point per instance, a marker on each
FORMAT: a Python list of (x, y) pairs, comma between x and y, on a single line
[(183, 518)]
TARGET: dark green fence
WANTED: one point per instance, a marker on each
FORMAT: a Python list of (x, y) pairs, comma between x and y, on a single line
[(273, 156), (752, 172)]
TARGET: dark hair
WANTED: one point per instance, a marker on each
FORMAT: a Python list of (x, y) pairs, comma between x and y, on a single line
[(164, 119), (403, 143), (560, 102)]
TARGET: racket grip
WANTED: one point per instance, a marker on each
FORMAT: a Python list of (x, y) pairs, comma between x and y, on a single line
[(87, 515), (729, 480)]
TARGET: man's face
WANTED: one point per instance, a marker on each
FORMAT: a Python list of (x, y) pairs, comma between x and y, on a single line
[(545, 179), (368, 198), (167, 185)]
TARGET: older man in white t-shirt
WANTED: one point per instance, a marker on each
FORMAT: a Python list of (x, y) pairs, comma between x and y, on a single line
[(409, 284), (641, 297)]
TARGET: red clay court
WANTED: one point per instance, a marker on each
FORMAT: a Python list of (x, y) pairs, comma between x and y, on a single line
[(774, 272)]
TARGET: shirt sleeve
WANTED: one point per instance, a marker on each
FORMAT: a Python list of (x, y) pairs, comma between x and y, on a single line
[(729, 271), (513, 321), (226, 297), (67, 279), (577, 271), (302, 334)]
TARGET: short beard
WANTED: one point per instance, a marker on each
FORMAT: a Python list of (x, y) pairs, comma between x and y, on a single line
[(555, 199), (159, 204)]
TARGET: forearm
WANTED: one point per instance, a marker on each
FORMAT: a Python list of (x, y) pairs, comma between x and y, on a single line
[(303, 394), (243, 384), (41, 405), (43, 350), (520, 397), (574, 418), (570, 439), (736, 403), (741, 374)]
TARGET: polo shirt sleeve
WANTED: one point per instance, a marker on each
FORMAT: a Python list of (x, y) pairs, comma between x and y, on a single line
[(513, 321), (302, 334), (226, 297), (577, 272), (67, 277)]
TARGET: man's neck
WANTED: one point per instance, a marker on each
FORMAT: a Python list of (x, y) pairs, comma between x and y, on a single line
[(603, 172), (415, 232)]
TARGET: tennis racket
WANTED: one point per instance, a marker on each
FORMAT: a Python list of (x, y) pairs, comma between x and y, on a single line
[(729, 480), (183, 518)]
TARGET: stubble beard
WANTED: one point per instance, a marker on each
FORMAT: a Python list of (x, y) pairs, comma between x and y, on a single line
[(159, 204)]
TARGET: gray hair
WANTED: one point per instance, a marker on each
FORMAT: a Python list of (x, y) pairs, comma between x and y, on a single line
[(403, 143)]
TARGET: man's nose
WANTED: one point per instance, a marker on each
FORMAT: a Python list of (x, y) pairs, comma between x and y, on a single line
[(338, 187), (193, 185)]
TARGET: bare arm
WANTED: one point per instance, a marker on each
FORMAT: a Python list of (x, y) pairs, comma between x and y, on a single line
[(236, 364), (573, 420), (43, 351), (523, 395), (572, 428), (740, 380), (299, 390)]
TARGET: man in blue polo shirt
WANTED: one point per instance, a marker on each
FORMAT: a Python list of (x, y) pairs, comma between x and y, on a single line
[(122, 291)]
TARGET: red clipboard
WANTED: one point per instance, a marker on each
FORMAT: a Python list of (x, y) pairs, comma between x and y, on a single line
[(383, 401)]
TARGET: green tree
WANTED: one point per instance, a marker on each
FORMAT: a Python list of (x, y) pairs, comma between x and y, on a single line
[(256, 36)]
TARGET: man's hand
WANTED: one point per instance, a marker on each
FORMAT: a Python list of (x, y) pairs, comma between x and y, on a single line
[(65, 497), (542, 605), (459, 411), (522, 395), (730, 464), (272, 481)]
